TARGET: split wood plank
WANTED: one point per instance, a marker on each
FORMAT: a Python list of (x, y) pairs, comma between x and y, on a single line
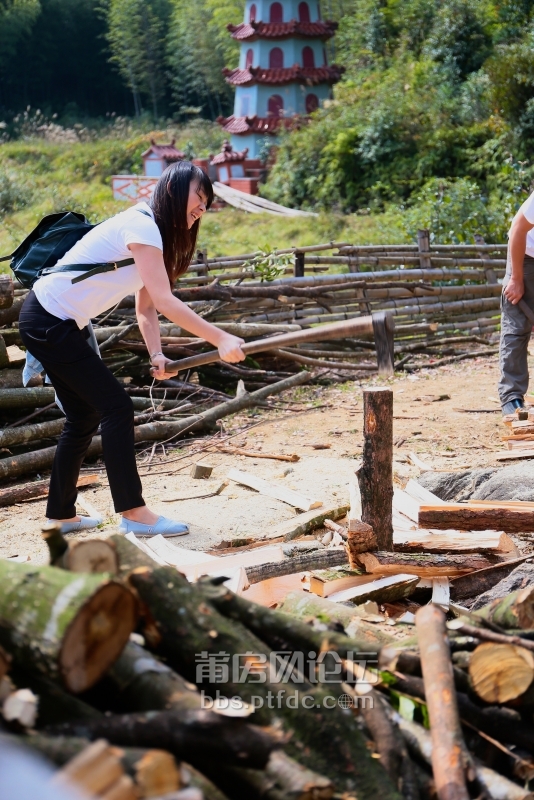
[(441, 593), (515, 455), (403, 503), (175, 556), (452, 541), (425, 565), (383, 590), (326, 582), (146, 550), (274, 490), (422, 495), (305, 523), (273, 591), (418, 462), (468, 518), (520, 505), (355, 510)]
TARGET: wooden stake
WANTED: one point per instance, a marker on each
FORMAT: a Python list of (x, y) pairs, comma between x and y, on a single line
[(375, 476), (449, 760)]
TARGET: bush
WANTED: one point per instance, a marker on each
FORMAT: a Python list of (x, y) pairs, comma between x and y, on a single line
[(15, 193)]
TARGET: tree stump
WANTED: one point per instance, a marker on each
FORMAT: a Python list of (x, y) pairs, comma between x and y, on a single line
[(375, 476)]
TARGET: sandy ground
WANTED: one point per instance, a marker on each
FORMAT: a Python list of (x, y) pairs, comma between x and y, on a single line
[(435, 430)]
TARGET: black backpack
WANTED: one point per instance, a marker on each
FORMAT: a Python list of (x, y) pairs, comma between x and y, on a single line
[(48, 242)]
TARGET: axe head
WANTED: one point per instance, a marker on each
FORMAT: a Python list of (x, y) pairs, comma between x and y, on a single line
[(383, 329)]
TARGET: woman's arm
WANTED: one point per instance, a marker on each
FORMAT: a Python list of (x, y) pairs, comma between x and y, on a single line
[(157, 296)]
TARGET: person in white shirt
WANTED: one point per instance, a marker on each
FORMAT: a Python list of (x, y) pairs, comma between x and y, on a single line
[(161, 238), (515, 327)]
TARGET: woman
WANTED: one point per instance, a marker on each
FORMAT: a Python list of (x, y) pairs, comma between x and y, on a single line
[(161, 237)]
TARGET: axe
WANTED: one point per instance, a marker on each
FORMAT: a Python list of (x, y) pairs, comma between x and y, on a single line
[(381, 325)]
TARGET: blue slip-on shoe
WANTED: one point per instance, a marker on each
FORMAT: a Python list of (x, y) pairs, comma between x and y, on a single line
[(163, 526), (84, 524), (512, 405)]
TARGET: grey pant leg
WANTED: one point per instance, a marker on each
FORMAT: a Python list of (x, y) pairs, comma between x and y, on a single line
[(515, 336)]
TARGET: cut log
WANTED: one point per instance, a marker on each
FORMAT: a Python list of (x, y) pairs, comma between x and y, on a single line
[(421, 541), (476, 583), (498, 787), (519, 578), (55, 704), (77, 627), (375, 475), (31, 433), (89, 555), (30, 491), (360, 538), (467, 518), (318, 559), (306, 606), (11, 381), (294, 499), (327, 581), (95, 769), (500, 672), (10, 313), (450, 761), (426, 565), (195, 736), (123, 789), (306, 523), (384, 590), (26, 398), (514, 611), (201, 470), (7, 291)]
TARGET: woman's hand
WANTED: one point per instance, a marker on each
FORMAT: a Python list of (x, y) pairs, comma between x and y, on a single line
[(230, 349), (157, 366)]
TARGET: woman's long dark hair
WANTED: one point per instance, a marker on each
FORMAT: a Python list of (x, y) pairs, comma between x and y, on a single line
[(169, 204)]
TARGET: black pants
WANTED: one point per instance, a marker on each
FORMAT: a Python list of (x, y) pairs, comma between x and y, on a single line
[(90, 395)]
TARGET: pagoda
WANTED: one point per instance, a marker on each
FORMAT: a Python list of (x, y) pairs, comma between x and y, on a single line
[(283, 69)]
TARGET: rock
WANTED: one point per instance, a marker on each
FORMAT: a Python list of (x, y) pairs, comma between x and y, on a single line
[(521, 577), (514, 482), (458, 486)]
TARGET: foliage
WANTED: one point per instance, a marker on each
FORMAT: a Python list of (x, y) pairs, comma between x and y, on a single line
[(14, 192), (268, 264)]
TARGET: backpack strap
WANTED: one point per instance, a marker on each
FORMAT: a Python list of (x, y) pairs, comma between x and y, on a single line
[(6, 258)]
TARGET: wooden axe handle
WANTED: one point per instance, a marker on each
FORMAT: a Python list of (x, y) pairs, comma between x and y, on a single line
[(336, 330)]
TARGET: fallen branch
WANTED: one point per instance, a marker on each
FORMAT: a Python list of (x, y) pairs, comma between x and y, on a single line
[(31, 491)]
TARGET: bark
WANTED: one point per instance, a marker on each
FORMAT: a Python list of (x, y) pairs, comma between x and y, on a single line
[(10, 313), (11, 380), (491, 636), (514, 611), (194, 736), (152, 431), (26, 398), (500, 672), (322, 559), (30, 491), (375, 476), (47, 619), (463, 518), (498, 787), (89, 555), (55, 704), (450, 763), (481, 581), (424, 564)]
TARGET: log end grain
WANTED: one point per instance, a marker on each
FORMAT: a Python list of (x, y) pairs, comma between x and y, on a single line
[(92, 555), (97, 636), (500, 672)]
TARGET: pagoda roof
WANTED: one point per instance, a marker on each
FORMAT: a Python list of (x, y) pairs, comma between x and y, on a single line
[(280, 76), (228, 154), (166, 151), (244, 125), (249, 31)]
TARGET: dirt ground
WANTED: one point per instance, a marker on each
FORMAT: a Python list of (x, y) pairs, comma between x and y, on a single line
[(436, 430)]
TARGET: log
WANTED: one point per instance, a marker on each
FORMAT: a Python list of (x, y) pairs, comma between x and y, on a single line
[(152, 431), (425, 565), (10, 313), (306, 523), (500, 672), (384, 590), (375, 475), (95, 769), (30, 491), (466, 518), (516, 610), (498, 787), (519, 578), (194, 736), (26, 398), (327, 581), (450, 762), (360, 539), (55, 704), (89, 555), (60, 638), (7, 292), (476, 583), (322, 559), (11, 380)]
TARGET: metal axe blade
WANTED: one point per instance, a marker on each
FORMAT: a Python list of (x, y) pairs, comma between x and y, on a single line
[(384, 329)]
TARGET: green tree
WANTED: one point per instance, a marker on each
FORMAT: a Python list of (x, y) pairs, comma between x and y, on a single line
[(16, 20), (137, 39)]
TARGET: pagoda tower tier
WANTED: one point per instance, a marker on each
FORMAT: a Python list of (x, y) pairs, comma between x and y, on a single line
[(283, 71)]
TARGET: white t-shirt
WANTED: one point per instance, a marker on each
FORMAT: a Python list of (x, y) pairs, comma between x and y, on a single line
[(527, 209), (107, 242)]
